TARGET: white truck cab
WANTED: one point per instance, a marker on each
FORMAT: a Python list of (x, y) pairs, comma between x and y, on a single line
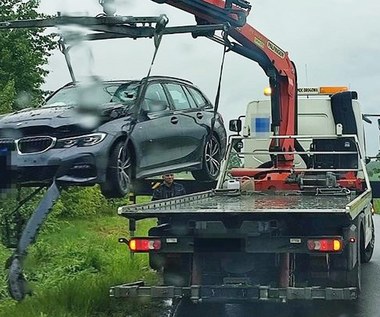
[(319, 113)]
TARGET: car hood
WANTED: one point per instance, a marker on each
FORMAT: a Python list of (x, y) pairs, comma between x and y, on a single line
[(57, 116)]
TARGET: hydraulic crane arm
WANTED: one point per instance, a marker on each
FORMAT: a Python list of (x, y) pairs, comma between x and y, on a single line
[(252, 44)]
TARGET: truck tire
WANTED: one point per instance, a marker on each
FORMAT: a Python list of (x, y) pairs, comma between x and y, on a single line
[(368, 251)]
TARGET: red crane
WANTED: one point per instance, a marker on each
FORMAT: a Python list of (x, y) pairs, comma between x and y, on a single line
[(273, 60)]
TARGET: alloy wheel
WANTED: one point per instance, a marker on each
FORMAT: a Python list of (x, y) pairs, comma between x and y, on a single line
[(212, 156), (123, 165)]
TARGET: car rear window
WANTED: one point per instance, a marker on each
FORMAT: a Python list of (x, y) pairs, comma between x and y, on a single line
[(199, 99)]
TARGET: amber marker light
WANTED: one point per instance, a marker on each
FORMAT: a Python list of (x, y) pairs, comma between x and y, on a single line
[(267, 91), (144, 245), (337, 245), (332, 90), (132, 245), (325, 245)]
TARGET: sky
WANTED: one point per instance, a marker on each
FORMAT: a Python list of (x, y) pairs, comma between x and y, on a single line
[(332, 42)]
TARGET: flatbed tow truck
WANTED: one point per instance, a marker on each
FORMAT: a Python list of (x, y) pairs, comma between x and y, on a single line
[(240, 242), (271, 232), (277, 231)]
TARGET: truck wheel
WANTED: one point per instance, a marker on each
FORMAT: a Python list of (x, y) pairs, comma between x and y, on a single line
[(368, 251), (212, 158), (118, 179)]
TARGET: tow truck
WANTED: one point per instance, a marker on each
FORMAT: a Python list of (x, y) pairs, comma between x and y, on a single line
[(296, 226), (302, 235), (274, 231)]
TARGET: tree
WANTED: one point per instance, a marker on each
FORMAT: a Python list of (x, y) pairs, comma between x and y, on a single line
[(23, 54)]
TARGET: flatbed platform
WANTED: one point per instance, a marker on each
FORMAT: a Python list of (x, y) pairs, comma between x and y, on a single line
[(213, 202)]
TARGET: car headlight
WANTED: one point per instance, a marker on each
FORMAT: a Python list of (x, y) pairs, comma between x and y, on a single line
[(83, 140)]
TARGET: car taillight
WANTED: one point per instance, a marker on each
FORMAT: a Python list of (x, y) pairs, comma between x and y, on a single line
[(325, 245), (143, 245)]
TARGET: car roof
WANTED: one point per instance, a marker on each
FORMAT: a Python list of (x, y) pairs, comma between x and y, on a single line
[(169, 78), (151, 78)]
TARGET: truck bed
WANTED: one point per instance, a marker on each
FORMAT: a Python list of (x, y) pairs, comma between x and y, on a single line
[(228, 226), (215, 202)]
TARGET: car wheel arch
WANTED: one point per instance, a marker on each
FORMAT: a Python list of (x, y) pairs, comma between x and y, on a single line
[(221, 144)]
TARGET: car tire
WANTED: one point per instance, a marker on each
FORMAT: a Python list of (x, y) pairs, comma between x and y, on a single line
[(212, 157), (118, 178)]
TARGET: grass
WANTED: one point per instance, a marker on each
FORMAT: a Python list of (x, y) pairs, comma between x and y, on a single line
[(72, 267), (374, 175), (376, 205)]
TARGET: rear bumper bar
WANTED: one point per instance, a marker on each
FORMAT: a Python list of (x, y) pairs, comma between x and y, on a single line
[(233, 293)]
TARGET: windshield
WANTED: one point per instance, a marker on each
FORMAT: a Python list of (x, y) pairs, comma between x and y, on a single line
[(95, 94)]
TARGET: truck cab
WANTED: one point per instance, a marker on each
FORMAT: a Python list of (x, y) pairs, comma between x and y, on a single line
[(321, 111)]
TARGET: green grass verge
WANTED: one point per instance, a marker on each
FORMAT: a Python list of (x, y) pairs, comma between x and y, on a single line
[(71, 268), (376, 205)]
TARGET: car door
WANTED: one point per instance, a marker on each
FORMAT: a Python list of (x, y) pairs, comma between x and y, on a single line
[(193, 129), (157, 134)]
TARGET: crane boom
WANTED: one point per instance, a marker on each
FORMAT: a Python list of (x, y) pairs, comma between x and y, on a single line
[(254, 45)]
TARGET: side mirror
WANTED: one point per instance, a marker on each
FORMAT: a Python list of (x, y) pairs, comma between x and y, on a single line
[(235, 125), (378, 123)]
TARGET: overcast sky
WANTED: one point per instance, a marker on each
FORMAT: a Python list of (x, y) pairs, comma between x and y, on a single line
[(332, 42)]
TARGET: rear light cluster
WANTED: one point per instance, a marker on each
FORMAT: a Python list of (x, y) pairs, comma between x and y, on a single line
[(325, 245), (144, 245)]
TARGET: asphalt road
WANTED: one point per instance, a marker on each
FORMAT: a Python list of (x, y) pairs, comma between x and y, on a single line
[(367, 306)]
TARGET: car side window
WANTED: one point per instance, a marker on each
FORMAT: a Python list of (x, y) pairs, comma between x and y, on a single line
[(178, 95), (199, 99), (155, 99)]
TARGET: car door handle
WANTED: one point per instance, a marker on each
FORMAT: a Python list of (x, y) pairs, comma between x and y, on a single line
[(199, 115), (174, 120)]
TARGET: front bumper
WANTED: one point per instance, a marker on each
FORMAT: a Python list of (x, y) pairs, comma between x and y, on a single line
[(75, 165), (233, 293)]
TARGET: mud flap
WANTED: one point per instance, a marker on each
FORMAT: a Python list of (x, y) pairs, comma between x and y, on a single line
[(352, 256)]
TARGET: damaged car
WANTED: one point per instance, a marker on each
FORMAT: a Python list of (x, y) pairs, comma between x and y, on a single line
[(112, 132)]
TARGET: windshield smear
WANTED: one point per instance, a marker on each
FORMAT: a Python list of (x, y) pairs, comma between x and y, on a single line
[(124, 93)]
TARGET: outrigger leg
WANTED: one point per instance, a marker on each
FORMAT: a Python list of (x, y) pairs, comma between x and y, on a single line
[(17, 284)]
